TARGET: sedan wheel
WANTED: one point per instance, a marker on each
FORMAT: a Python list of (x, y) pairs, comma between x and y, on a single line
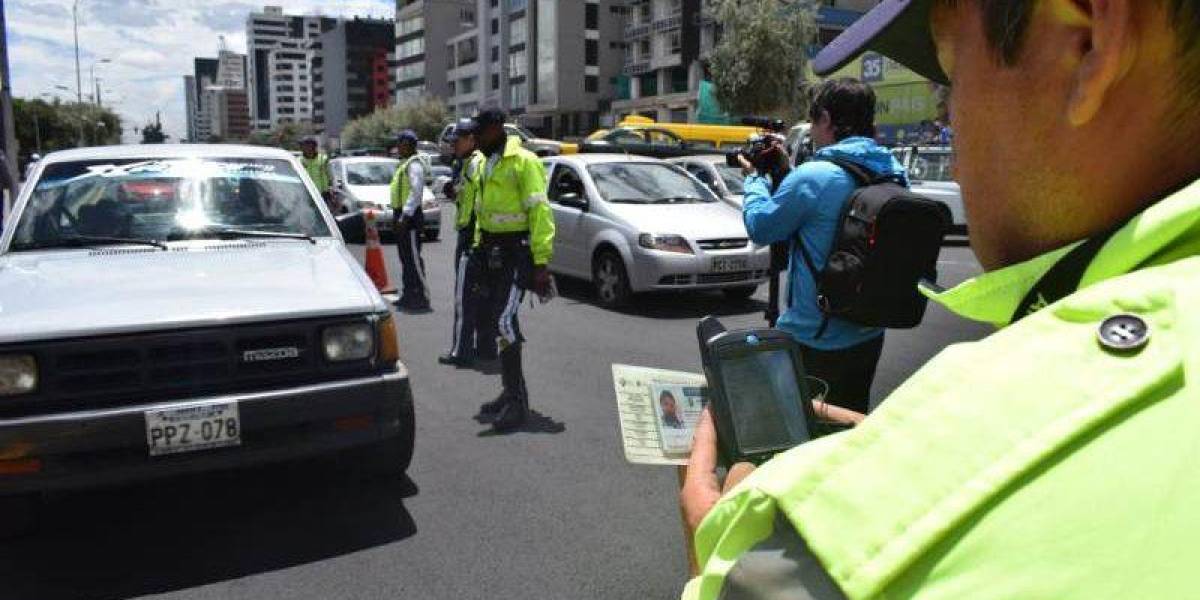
[(610, 280)]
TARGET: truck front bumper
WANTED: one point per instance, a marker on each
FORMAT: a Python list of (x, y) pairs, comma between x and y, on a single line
[(103, 447)]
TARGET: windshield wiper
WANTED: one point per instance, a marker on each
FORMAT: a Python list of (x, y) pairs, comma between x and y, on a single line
[(628, 201), (678, 200), (233, 234), (96, 240)]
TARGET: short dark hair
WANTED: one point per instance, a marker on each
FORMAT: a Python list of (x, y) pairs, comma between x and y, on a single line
[(850, 104), (1006, 23)]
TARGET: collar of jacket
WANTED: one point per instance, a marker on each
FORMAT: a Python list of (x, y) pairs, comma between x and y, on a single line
[(1166, 231)]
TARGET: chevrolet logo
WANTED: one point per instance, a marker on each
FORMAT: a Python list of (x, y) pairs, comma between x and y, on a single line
[(269, 354)]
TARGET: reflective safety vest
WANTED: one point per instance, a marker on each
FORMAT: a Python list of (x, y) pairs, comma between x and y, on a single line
[(1041, 462), (468, 189), (401, 188), (512, 199), (317, 168)]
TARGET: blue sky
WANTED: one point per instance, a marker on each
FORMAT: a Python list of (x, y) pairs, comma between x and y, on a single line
[(151, 44)]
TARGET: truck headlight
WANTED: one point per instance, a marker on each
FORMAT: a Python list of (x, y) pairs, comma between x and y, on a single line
[(344, 343), (18, 374), (665, 243)]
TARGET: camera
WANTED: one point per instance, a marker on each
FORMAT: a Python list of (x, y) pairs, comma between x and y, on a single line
[(757, 150)]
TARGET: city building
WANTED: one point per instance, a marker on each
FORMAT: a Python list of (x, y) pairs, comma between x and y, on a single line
[(350, 72), (216, 99), (423, 28), (667, 42), (280, 51), (526, 57)]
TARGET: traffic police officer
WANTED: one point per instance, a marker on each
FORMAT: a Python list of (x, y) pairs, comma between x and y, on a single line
[(515, 242), (408, 190), (469, 339), (316, 164), (1056, 458)]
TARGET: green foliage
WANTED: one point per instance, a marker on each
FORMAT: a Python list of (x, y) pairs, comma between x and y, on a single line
[(759, 64), (152, 133), (60, 125), (283, 135), (426, 116)]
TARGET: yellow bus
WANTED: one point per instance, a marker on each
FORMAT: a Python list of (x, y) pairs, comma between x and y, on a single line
[(716, 136)]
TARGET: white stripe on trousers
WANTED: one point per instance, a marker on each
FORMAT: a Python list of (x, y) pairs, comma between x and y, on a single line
[(417, 262), (510, 313), (459, 284)]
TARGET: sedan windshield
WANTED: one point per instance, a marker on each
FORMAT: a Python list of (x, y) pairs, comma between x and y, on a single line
[(732, 176), (371, 173), (146, 201), (648, 183)]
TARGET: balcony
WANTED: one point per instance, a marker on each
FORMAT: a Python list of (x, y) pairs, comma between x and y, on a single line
[(665, 61), (633, 30), (637, 67), (668, 23)]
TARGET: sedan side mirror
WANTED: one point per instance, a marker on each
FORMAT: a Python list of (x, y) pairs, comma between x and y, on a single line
[(573, 200)]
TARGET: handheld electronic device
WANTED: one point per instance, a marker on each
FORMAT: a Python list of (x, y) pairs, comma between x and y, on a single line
[(757, 393)]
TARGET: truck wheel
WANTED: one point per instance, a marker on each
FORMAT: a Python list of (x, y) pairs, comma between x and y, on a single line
[(611, 280), (18, 515), (740, 293)]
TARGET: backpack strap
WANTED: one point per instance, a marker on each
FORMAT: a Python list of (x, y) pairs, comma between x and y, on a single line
[(860, 174)]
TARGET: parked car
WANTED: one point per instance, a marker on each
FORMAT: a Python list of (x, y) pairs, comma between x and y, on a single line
[(180, 308), (699, 135), (532, 143), (364, 182), (799, 143), (654, 142), (931, 173), (634, 224), (712, 170)]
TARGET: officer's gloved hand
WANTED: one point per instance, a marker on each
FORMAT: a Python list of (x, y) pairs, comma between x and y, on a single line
[(542, 281)]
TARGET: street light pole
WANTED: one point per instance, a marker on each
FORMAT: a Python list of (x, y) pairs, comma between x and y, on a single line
[(78, 74), (95, 85)]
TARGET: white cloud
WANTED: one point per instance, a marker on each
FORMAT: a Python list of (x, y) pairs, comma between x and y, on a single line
[(152, 44)]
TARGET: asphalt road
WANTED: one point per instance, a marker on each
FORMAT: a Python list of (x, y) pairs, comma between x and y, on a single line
[(553, 511)]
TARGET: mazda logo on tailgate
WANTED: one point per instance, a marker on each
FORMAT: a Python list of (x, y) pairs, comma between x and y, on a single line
[(269, 354)]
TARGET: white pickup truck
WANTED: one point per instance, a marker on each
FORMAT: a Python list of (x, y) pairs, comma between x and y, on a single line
[(168, 309)]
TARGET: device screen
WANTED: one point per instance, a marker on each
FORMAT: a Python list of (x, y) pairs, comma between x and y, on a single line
[(764, 401)]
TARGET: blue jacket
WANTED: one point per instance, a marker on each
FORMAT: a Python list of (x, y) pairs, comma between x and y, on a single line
[(808, 205)]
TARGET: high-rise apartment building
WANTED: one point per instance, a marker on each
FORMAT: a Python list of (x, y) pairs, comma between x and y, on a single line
[(350, 72), (550, 64), (215, 96), (280, 51), (422, 30)]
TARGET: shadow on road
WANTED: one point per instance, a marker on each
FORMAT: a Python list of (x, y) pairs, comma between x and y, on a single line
[(536, 423), (191, 531), (665, 305)]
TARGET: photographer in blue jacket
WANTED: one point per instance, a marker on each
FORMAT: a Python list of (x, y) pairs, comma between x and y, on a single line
[(806, 209)]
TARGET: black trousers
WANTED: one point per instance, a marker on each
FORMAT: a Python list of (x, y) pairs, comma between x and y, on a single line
[(849, 372), (507, 267), (471, 337), (412, 266)]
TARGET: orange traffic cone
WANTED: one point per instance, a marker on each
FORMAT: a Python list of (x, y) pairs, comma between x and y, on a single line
[(376, 269)]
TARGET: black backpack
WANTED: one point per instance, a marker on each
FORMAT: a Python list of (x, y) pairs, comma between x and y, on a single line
[(888, 240)]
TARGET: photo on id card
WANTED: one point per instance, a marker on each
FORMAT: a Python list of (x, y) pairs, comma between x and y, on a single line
[(677, 408)]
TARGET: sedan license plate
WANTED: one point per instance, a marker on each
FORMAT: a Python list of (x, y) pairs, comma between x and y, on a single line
[(730, 264), (194, 428)]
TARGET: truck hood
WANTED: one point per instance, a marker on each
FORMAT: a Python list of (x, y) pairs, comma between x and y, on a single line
[(75, 293), (714, 220)]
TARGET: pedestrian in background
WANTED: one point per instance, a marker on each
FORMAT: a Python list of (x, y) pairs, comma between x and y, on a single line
[(515, 243), (471, 338), (807, 209), (408, 191), (316, 164)]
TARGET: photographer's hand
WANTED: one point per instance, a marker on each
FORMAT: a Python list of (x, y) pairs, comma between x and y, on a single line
[(701, 490), (747, 166)]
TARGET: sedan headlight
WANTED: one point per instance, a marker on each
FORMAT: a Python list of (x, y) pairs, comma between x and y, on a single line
[(665, 243), (18, 374), (344, 343)]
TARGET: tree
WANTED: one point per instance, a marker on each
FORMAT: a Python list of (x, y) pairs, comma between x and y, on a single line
[(759, 64), (152, 133), (283, 135), (426, 116), (59, 125)]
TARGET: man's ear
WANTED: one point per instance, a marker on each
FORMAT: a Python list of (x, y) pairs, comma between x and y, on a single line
[(1104, 49)]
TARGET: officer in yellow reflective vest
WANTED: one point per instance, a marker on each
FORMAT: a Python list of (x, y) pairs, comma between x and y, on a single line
[(470, 339), (408, 190), (515, 242), (316, 164), (1057, 457)]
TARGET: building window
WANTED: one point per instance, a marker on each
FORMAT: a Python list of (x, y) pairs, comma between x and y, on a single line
[(453, 88), (495, 26), (643, 52), (591, 52), (515, 5), (495, 54), (591, 16), (413, 71), (495, 81), (517, 96), (410, 48), (518, 64), (466, 17), (518, 32), (495, 3), (675, 42), (649, 85), (591, 84), (410, 25), (679, 80), (468, 51)]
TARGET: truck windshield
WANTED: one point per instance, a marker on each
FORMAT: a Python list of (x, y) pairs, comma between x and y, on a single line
[(139, 200)]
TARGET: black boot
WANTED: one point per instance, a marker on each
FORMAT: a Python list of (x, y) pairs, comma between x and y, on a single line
[(490, 409), (516, 411)]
